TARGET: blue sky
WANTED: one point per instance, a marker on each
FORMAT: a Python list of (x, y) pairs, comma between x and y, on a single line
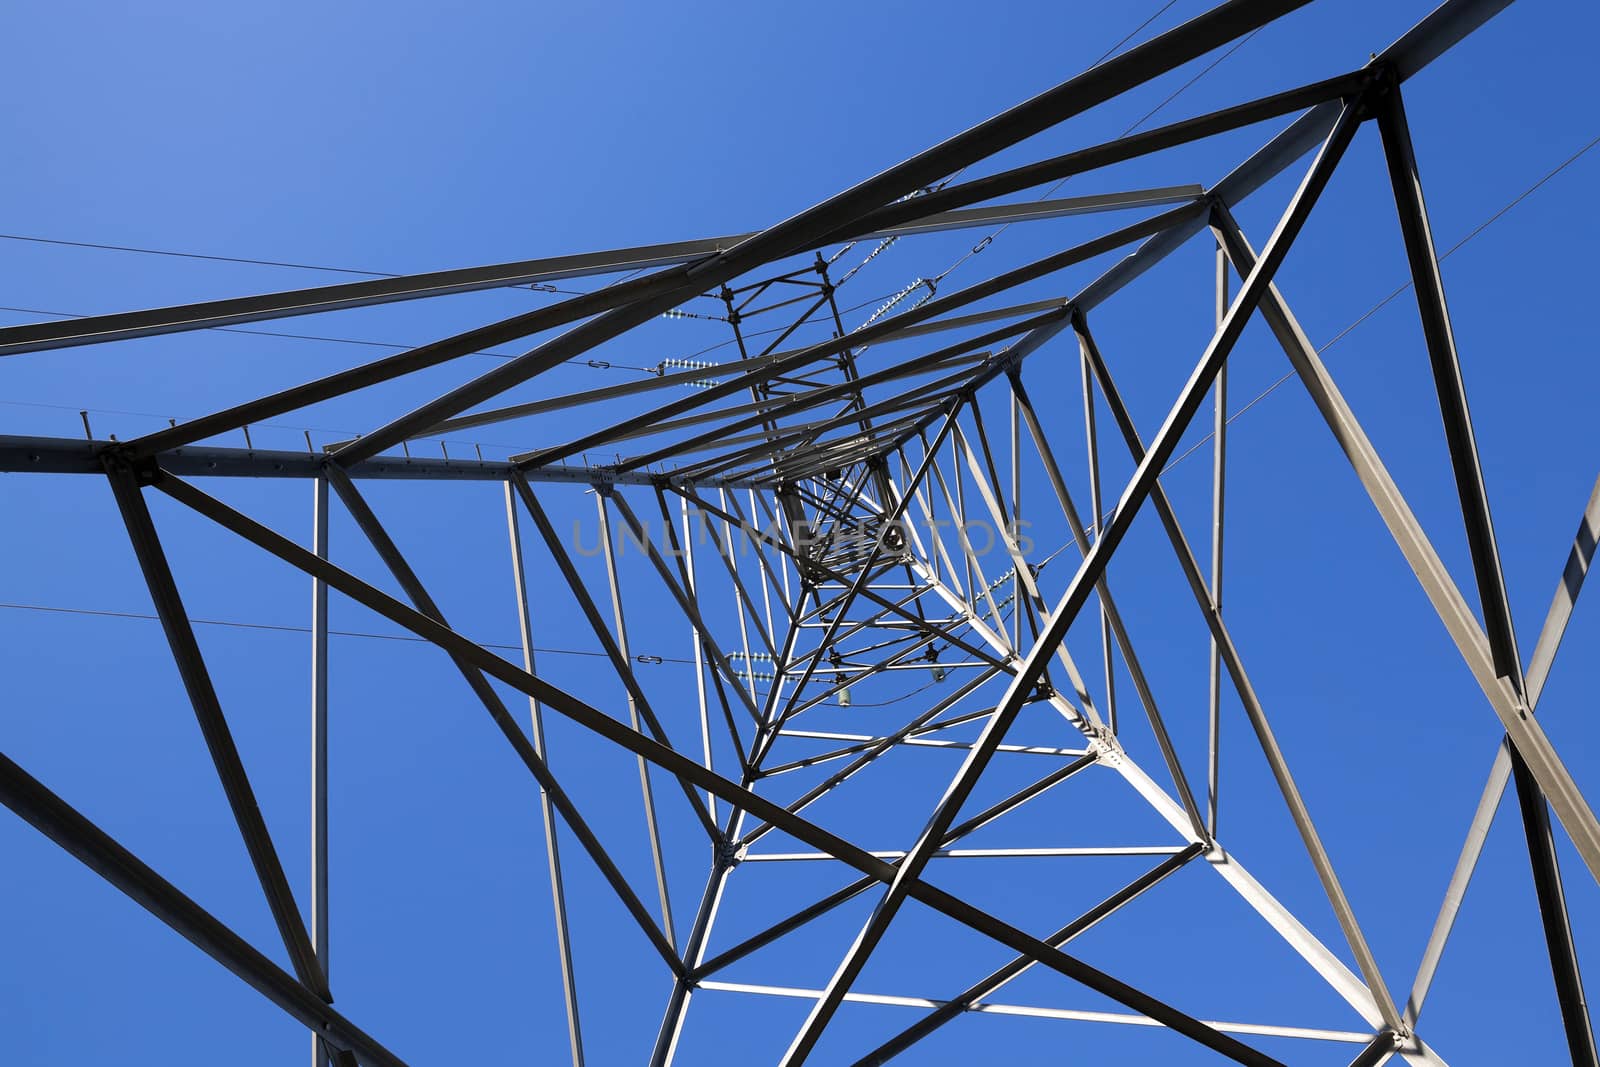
[(400, 137)]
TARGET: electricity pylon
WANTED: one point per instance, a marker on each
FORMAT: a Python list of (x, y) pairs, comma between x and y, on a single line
[(818, 518)]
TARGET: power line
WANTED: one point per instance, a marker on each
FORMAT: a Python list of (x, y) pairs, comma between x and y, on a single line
[(597, 364), (1162, 10), (538, 287), (884, 244), (277, 628), (103, 246), (1146, 117), (1380, 305)]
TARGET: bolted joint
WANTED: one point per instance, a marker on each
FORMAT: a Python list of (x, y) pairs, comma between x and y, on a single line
[(1104, 744), (1007, 360), (1079, 321), (1216, 210), (730, 853), (1381, 77), (118, 460), (1384, 86)]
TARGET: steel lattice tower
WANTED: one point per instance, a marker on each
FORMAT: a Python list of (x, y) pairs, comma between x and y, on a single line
[(831, 492)]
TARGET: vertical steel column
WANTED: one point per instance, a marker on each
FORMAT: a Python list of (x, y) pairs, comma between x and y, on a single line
[(558, 895), (959, 507), (1219, 433), (1097, 510), (1016, 514), (739, 605), (761, 560), (319, 747), (699, 653), (989, 487), (633, 715)]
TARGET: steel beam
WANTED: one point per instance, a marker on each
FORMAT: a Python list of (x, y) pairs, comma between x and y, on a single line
[(1439, 340), (1380, 1048), (1219, 471), (94, 848), (1132, 146), (63, 455), (1559, 942), (552, 845), (214, 727), (620, 624), (1097, 509), (319, 749)]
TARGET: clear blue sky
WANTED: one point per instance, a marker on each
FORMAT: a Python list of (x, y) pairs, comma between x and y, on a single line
[(405, 137)]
